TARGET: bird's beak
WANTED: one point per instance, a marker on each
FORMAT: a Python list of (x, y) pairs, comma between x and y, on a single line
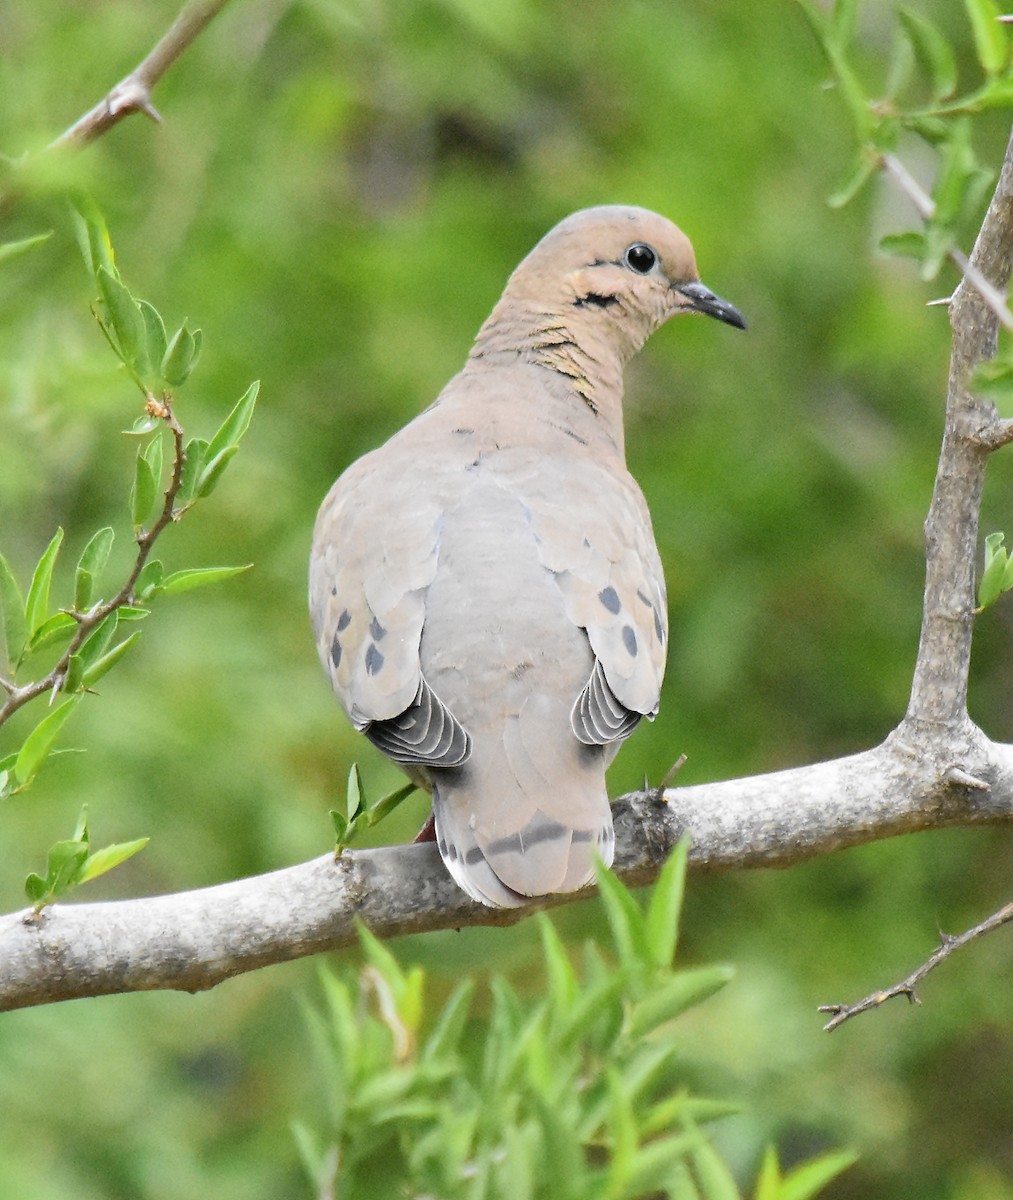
[(701, 299)]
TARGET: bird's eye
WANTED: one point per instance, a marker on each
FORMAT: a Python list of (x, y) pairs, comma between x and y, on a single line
[(640, 258)]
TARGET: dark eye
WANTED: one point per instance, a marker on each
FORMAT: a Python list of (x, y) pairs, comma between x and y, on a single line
[(640, 257)]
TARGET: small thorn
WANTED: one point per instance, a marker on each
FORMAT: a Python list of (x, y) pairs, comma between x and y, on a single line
[(943, 300)]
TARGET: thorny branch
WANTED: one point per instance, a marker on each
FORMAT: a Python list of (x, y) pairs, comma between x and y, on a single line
[(133, 93), (906, 987)]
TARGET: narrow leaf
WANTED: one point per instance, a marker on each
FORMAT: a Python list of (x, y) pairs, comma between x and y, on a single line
[(213, 472), (153, 457), (154, 334), (990, 587), (37, 604), (906, 245), (712, 1176), (665, 905), (92, 236), (194, 458), (810, 1178), (179, 357), (58, 627), (386, 804), (12, 614), (989, 35), (91, 564), (124, 317), (110, 856), (95, 672), (932, 50), (666, 1001), (353, 793), (185, 581), (9, 250), (855, 180), (149, 581), (236, 423), (142, 494), (36, 747)]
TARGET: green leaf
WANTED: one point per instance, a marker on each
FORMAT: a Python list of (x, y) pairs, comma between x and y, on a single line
[(907, 245), (860, 173), (810, 1178), (353, 794), (37, 745), (150, 580), (386, 804), (843, 19), (37, 604), (63, 866), (668, 1000), (340, 822), (154, 335), (95, 672), (563, 986), (110, 856), (231, 431), (91, 563), (933, 52), (996, 562), (665, 905), (212, 473), (195, 455), (180, 357), (60, 626), (9, 250), (625, 920), (186, 581), (450, 1025), (35, 888), (125, 318), (142, 494), (989, 35), (1007, 577), (92, 236), (12, 614), (994, 378), (712, 1176), (153, 457)]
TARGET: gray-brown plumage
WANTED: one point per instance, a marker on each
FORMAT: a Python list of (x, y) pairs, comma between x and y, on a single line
[(485, 589)]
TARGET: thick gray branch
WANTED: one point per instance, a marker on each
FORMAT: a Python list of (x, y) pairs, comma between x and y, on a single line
[(192, 940)]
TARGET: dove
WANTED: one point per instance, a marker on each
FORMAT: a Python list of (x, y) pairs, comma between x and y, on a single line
[(485, 591)]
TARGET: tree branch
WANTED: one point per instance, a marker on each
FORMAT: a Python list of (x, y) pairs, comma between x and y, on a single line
[(906, 987), (972, 430), (193, 940), (133, 93)]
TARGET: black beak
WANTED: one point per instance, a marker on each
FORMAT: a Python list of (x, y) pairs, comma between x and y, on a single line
[(702, 299)]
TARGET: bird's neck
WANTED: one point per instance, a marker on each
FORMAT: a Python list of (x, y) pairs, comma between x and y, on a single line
[(580, 349)]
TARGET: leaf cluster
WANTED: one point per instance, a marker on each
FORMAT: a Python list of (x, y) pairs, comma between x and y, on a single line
[(577, 1095)]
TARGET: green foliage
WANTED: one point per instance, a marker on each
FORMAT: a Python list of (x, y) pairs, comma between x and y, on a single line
[(360, 814), (579, 1093), (997, 576), (72, 862)]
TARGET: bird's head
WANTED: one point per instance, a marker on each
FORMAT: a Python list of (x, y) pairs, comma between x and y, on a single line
[(619, 269)]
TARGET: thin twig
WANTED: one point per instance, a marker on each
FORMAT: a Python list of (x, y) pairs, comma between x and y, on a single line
[(133, 93), (926, 209), (906, 987), (88, 621)]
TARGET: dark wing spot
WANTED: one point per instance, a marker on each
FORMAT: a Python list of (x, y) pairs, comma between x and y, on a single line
[(630, 640), (374, 660), (643, 599), (609, 598), (376, 630), (658, 627), (463, 432), (344, 621), (336, 652), (334, 589)]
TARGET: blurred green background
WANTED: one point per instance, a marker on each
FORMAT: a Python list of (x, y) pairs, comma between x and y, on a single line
[(336, 197)]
